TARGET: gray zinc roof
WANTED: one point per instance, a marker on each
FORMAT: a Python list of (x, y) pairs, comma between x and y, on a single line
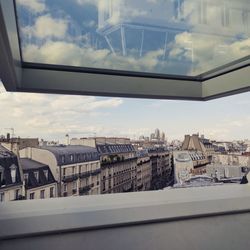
[(71, 154), (31, 164)]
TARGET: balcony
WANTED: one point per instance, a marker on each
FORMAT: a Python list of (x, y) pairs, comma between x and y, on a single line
[(70, 178), (85, 189), (84, 175), (96, 172), (105, 164)]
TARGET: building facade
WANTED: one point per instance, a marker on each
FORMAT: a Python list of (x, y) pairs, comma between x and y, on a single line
[(144, 171), (75, 168), (118, 163), (39, 180), (11, 183), (232, 159), (161, 168)]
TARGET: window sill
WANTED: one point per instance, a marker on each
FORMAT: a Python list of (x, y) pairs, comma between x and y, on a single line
[(50, 216)]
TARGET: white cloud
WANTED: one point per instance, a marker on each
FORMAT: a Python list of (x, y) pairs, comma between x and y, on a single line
[(82, 2), (46, 26), (208, 51), (67, 53), (47, 115), (35, 6)]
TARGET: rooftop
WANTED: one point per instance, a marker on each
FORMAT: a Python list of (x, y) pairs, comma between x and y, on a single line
[(73, 154), (28, 164)]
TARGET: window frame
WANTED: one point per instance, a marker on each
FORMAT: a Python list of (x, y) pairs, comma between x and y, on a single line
[(20, 76)]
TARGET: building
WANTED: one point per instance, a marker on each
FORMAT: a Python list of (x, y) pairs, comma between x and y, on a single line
[(161, 168), (118, 163), (232, 159), (11, 184), (183, 166), (144, 171), (187, 164), (196, 143), (226, 173), (16, 144), (75, 168), (39, 180)]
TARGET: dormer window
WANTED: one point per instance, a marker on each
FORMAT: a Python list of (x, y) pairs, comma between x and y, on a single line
[(46, 174), (71, 158), (36, 174), (26, 178), (13, 174), (63, 158), (1, 174)]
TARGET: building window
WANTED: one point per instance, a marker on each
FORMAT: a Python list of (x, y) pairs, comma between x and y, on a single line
[(42, 194), (1, 174), (1, 197), (36, 174), (46, 173), (73, 170), (71, 158), (32, 196), (51, 192), (13, 173), (64, 172), (63, 158), (26, 178), (65, 188), (17, 194), (74, 189)]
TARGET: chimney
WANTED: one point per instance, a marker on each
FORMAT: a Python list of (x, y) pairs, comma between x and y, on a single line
[(67, 139)]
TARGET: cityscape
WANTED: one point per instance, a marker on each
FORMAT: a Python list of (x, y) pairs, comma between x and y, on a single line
[(32, 168)]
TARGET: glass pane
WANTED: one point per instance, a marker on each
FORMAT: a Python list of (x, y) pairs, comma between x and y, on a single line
[(180, 37)]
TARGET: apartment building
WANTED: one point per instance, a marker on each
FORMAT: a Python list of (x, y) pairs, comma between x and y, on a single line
[(39, 180), (118, 163), (161, 168), (75, 168), (232, 159), (144, 171), (11, 184)]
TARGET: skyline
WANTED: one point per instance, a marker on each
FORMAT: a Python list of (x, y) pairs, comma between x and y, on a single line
[(51, 117)]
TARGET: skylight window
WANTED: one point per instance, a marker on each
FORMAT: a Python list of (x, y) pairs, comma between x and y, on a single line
[(180, 37)]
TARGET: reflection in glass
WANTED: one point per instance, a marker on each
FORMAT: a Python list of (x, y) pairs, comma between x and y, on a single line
[(183, 37)]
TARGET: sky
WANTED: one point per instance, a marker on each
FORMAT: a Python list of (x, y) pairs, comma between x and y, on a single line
[(51, 117), (72, 32)]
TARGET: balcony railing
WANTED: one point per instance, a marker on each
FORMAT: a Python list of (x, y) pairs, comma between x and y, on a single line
[(84, 174), (85, 189), (105, 164), (69, 178), (96, 172)]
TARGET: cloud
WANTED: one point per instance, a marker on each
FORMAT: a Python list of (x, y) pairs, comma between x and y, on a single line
[(46, 26), (83, 2), (47, 115), (66, 53), (207, 51), (35, 6)]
